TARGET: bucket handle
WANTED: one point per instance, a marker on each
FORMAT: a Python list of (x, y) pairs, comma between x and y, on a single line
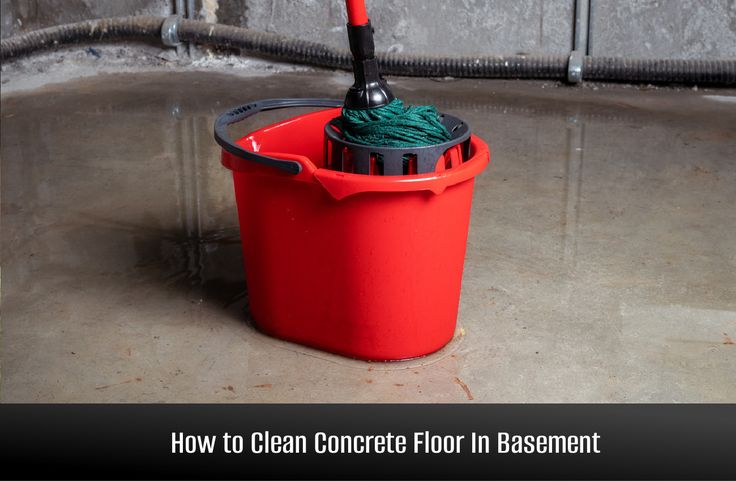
[(244, 111)]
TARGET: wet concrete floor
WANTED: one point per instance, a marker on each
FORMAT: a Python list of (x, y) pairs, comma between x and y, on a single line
[(601, 263)]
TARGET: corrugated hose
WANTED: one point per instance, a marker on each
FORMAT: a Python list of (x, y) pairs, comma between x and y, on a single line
[(706, 72)]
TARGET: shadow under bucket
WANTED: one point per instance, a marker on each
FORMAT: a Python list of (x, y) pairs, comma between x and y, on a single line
[(367, 266)]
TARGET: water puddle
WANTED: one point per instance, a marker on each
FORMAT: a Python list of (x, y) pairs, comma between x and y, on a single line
[(120, 229)]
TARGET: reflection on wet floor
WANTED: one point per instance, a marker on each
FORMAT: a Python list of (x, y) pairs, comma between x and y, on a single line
[(600, 265)]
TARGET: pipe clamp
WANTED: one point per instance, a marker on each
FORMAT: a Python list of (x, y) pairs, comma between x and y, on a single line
[(170, 31), (575, 67)]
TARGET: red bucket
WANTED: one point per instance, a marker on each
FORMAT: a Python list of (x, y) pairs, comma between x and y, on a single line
[(365, 266)]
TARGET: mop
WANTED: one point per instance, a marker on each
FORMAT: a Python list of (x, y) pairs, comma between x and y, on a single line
[(355, 217), (371, 114)]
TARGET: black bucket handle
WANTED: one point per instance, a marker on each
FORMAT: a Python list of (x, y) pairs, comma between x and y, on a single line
[(244, 111)]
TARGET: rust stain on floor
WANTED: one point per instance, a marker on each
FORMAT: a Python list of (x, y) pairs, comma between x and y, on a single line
[(465, 388)]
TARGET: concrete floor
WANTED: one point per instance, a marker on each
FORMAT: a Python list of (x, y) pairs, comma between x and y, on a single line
[(601, 263)]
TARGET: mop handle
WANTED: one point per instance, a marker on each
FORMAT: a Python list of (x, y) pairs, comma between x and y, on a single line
[(357, 14), (370, 90)]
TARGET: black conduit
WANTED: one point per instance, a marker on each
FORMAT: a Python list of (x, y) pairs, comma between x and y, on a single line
[(712, 72)]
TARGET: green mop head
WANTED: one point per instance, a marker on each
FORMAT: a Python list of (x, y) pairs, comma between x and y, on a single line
[(372, 115), (393, 125)]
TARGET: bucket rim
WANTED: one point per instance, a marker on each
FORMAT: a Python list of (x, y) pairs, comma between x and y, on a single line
[(344, 184)]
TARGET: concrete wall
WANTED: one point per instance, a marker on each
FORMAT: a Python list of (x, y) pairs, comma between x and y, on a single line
[(636, 28), (664, 28), (22, 15), (471, 27)]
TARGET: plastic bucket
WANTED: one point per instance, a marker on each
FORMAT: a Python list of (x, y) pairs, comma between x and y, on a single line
[(365, 266)]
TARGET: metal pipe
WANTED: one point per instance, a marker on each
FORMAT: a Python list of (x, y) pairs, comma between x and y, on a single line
[(580, 41), (191, 15), (180, 11), (591, 17), (582, 11)]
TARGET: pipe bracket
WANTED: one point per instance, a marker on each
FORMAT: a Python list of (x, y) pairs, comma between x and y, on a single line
[(170, 31), (575, 67)]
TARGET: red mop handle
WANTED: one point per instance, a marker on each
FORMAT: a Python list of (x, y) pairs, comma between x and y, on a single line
[(370, 90), (357, 14)]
